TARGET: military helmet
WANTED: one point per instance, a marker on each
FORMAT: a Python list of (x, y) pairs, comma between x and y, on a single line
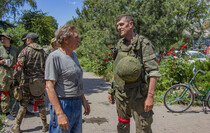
[(129, 69)]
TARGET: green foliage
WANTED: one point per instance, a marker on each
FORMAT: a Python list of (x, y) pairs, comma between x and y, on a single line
[(2, 119), (200, 44), (94, 55), (162, 21), (16, 33), (38, 22), (10, 7), (179, 70), (173, 71), (5, 24)]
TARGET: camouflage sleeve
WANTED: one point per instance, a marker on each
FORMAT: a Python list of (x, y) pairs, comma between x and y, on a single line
[(112, 89), (149, 59), (13, 56), (20, 65)]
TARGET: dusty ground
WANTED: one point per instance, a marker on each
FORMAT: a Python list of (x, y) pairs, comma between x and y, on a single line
[(103, 117)]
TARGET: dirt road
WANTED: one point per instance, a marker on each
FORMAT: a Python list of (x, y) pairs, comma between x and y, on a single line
[(103, 117)]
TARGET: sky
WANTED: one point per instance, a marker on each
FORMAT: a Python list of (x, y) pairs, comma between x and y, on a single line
[(61, 10)]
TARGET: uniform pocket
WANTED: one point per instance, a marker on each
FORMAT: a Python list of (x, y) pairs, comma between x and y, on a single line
[(144, 89)]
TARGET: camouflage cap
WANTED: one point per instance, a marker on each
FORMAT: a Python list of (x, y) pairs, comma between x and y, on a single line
[(31, 35), (23, 38), (7, 36)]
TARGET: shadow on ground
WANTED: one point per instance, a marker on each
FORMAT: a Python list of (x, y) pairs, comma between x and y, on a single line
[(38, 128), (95, 86)]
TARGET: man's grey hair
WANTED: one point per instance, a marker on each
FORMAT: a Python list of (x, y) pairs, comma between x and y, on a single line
[(65, 31), (128, 17)]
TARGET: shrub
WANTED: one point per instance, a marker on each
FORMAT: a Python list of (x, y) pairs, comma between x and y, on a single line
[(179, 70), (94, 56)]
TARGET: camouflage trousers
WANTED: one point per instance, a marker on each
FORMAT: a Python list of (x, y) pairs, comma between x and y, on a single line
[(5, 96), (133, 106), (23, 104)]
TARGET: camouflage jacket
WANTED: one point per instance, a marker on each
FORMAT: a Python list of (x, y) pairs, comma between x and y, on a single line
[(12, 55), (141, 48), (49, 50), (7, 70), (31, 61)]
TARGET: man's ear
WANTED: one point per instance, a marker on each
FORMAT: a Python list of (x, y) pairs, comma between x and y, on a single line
[(131, 24), (65, 39)]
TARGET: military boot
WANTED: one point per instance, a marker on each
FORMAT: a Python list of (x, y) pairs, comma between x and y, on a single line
[(15, 129)]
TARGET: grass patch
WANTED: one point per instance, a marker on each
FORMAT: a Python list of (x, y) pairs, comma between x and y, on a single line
[(2, 120)]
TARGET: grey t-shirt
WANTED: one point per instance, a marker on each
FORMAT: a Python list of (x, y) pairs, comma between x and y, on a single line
[(67, 73)]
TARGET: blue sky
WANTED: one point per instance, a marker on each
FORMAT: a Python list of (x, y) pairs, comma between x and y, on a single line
[(61, 10)]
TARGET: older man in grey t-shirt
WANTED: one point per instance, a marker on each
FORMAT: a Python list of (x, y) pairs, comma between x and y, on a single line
[(64, 84), (58, 65)]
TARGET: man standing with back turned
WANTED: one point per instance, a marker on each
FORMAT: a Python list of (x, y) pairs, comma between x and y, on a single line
[(31, 61), (135, 77)]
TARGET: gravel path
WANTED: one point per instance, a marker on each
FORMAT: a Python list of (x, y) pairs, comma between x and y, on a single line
[(103, 116)]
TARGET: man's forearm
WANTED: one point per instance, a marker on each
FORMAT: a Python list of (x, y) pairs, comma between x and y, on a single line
[(152, 86), (53, 97)]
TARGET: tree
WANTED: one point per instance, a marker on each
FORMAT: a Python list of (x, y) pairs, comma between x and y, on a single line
[(9, 7), (162, 21), (16, 33), (38, 22), (199, 44)]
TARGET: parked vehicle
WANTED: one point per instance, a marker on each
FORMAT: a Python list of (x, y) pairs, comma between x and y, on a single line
[(195, 55)]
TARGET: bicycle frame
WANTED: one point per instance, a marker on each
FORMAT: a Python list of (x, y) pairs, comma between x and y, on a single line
[(180, 97), (191, 84)]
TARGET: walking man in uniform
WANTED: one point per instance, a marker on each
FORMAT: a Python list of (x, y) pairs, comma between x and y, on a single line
[(31, 62), (135, 77)]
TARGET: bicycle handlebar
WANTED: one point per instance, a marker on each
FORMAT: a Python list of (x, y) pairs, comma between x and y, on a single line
[(195, 73), (202, 71)]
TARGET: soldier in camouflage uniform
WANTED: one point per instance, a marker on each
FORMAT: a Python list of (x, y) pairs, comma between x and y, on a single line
[(54, 45), (133, 94), (8, 56), (31, 62)]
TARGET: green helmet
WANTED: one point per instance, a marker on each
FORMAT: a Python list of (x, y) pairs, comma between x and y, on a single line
[(129, 69)]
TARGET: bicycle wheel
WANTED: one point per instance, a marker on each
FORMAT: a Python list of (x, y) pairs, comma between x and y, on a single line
[(178, 98), (208, 100)]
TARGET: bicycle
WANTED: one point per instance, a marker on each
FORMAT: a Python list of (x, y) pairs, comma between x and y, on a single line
[(179, 97)]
